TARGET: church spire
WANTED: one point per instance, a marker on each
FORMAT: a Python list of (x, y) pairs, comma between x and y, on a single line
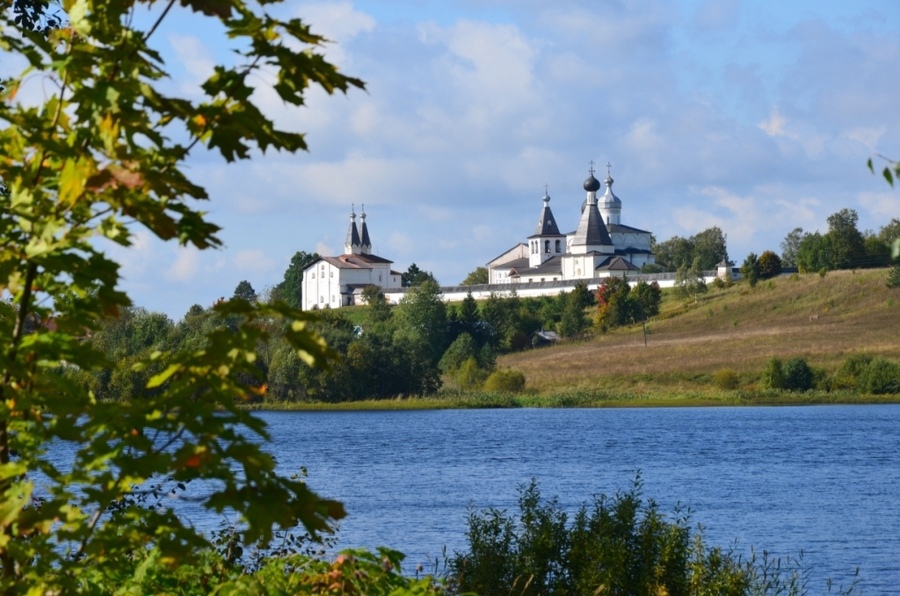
[(591, 234), (351, 246), (365, 243)]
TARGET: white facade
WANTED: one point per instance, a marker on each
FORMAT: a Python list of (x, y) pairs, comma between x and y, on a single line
[(599, 247), (333, 282)]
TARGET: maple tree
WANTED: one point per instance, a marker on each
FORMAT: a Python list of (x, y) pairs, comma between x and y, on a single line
[(101, 155)]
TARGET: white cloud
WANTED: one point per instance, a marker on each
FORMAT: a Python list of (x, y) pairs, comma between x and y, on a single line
[(885, 204), (186, 265), (253, 261), (774, 125), (195, 58)]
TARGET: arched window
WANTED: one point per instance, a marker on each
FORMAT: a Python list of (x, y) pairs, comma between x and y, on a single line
[(546, 246), (557, 246)]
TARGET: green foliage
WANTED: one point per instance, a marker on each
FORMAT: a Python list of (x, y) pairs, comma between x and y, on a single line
[(648, 297), (847, 244), (477, 277), (814, 253), (769, 265), (750, 270), (90, 166), (353, 571), (851, 370), (798, 376), (726, 379), (415, 277), (793, 375), (573, 322), (463, 348), (709, 246), (614, 306), (893, 276), (689, 281), (789, 247), (880, 376), (505, 381), (619, 545), (291, 287), (773, 374), (422, 318), (470, 375), (379, 309), (244, 291)]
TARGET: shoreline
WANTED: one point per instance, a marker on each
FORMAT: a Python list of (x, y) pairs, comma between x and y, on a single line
[(585, 400)]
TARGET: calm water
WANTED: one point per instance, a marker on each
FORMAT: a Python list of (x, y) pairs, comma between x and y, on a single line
[(821, 480)]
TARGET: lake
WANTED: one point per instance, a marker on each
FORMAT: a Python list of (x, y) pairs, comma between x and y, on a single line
[(821, 480)]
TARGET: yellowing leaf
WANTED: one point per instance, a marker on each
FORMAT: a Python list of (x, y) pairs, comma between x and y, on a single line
[(71, 182)]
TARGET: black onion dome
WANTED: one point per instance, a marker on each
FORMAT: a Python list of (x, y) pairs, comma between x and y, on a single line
[(591, 184)]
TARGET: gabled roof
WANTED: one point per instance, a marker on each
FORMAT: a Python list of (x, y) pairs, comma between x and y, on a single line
[(506, 252), (351, 261), (622, 229), (616, 263), (520, 263)]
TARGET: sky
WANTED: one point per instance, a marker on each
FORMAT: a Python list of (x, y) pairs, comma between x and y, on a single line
[(757, 116)]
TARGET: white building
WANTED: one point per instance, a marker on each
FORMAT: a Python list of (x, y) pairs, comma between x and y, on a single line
[(600, 246), (333, 282)]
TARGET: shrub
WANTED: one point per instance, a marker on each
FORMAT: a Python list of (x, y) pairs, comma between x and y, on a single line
[(505, 381), (797, 375), (618, 545), (773, 374), (470, 376), (893, 278), (848, 375), (881, 376), (726, 379)]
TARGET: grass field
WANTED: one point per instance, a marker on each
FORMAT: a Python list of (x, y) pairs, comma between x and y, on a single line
[(821, 319)]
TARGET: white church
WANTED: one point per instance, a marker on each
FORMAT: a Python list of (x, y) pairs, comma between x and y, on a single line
[(333, 282), (600, 246)]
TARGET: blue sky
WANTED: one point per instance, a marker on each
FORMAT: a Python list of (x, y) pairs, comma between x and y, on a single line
[(755, 116)]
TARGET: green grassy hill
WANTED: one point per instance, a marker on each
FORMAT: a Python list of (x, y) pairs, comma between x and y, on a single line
[(821, 319)]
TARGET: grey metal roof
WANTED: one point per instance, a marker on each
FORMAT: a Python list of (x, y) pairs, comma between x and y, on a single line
[(608, 196), (365, 234), (623, 229), (547, 223), (616, 263), (591, 229), (520, 263), (507, 251), (352, 233)]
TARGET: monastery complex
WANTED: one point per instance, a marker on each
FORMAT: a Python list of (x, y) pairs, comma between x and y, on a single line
[(549, 262)]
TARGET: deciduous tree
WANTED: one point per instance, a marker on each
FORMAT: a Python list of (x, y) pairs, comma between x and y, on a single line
[(769, 265), (476, 277), (291, 287), (789, 247), (100, 158), (847, 245)]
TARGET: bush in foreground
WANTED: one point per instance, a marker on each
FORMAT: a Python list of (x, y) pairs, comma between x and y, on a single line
[(621, 545)]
